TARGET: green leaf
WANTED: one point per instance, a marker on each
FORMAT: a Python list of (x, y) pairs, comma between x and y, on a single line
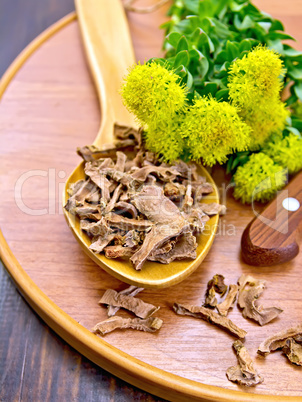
[(276, 45), (192, 5), (210, 89), (222, 94), (190, 81), (298, 89), (173, 38), (229, 164), (222, 57), (244, 45), (232, 50), (181, 71), (182, 58), (297, 123), (265, 25), (291, 52), (236, 7), (293, 130), (194, 21), (195, 54), (247, 23), (182, 44), (203, 67), (279, 35), (295, 73), (206, 8), (277, 26)]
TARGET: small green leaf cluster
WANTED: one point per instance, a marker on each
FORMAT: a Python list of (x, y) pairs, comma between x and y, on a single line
[(258, 179)]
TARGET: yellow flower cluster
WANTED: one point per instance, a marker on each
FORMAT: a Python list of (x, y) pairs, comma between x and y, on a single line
[(164, 137), (213, 130), (152, 92), (254, 86), (287, 152), (259, 179)]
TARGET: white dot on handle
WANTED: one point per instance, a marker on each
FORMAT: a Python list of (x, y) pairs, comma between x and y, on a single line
[(291, 204)]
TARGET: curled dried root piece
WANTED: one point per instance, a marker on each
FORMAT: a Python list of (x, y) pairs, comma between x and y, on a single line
[(150, 324), (293, 351), (130, 291), (250, 289), (137, 306), (278, 341), (210, 316), (224, 307), (244, 373), (215, 285)]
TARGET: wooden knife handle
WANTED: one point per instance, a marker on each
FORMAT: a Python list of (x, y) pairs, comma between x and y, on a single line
[(270, 238)]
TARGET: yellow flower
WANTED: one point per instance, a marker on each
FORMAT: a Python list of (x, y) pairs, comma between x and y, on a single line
[(265, 120), (256, 77), (287, 152), (254, 87), (258, 179), (164, 137), (213, 130), (152, 92)]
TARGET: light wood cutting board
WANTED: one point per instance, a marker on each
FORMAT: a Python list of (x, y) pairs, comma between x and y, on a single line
[(48, 109)]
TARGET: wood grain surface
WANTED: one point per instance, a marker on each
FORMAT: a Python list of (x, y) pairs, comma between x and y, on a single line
[(48, 110)]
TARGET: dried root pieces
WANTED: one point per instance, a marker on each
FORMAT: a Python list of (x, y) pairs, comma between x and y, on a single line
[(210, 316), (244, 373), (250, 289), (289, 340), (125, 299), (150, 324)]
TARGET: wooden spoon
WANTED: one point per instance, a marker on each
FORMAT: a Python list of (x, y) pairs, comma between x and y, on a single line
[(109, 52), (270, 238)]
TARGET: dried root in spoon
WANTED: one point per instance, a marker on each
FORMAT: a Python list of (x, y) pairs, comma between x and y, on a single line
[(250, 289), (210, 316), (244, 373), (135, 207)]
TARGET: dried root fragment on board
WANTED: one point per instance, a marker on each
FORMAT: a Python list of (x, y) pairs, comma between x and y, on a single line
[(215, 285), (229, 301), (130, 291), (133, 206), (244, 373), (289, 340), (150, 324), (250, 289), (128, 302), (210, 316)]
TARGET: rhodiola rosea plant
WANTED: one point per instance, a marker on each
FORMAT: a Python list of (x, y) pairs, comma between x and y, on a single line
[(218, 94)]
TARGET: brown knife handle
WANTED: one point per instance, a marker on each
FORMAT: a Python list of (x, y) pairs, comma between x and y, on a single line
[(270, 238)]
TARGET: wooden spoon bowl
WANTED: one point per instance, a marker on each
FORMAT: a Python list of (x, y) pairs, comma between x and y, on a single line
[(109, 52)]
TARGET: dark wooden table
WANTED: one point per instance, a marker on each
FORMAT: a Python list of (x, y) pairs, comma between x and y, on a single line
[(36, 364)]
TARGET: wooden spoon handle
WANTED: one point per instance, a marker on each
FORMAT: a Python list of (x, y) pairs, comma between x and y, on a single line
[(109, 51), (270, 238)]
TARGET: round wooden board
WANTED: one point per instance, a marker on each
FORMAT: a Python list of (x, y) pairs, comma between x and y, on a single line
[(49, 107)]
